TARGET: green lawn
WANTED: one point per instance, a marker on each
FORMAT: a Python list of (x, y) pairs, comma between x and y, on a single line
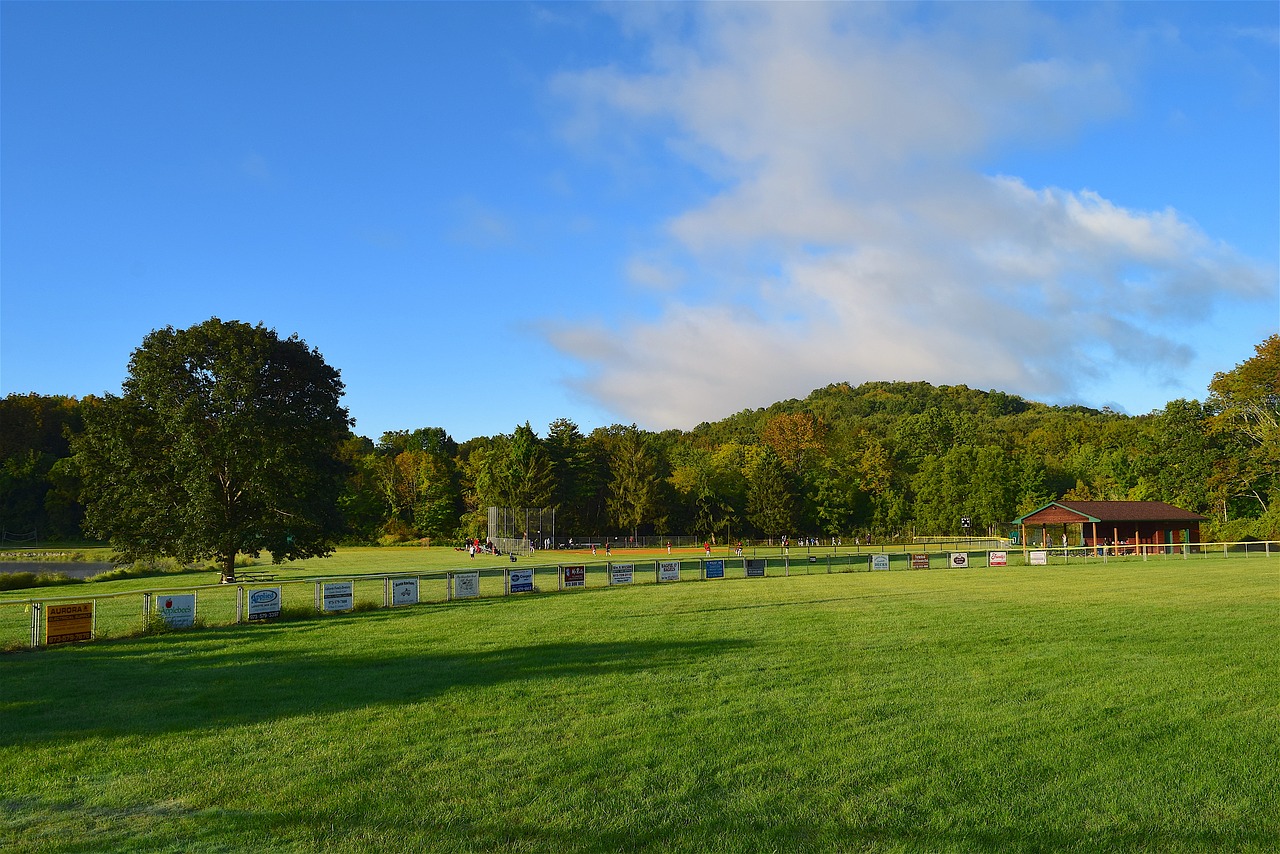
[(1129, 707)]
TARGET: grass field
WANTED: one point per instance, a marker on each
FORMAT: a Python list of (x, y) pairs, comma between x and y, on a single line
[(1130, 707)]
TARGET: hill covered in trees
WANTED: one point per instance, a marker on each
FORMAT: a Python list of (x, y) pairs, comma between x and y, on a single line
[(882, 458)]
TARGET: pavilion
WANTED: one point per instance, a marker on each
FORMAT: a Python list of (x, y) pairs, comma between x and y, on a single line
[(1115, 523)]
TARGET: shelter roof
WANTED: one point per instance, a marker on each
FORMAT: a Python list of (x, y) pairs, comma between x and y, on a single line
[(1109, 511)]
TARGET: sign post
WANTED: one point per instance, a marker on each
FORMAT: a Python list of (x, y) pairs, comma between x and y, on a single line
[(464, 585), (573, 576), (264, 603), (68, 623), (519, 581), (337, 596), (404, 591), (178, 611)]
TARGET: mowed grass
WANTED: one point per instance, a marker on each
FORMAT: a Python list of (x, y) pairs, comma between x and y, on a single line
[(1105, 708)]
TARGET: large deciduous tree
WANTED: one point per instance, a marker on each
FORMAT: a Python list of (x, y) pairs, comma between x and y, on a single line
[(226, 440), (1246, 406), (796, 438)]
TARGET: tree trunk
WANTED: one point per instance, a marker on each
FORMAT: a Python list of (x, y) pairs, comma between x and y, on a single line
[(229, 568)]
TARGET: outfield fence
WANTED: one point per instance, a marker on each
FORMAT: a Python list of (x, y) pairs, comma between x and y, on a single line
[(65, 617), (522, 545)]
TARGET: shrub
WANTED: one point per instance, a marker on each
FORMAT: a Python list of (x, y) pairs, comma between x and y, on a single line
[(20, 580)]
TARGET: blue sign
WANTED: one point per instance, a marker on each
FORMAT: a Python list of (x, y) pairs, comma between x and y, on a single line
[(521, 580), (713, 568)]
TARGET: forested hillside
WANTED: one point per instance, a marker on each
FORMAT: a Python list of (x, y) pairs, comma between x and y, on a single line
[(883, 458)]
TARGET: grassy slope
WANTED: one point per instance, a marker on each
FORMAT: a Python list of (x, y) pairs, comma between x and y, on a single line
[(1104, 708)]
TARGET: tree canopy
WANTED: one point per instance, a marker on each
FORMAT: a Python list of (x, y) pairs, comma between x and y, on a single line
[(889, 459), (226, 440)]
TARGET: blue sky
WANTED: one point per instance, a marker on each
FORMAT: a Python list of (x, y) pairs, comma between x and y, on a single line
[(485, 214)]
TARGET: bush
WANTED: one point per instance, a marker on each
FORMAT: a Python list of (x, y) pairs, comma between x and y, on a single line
[(142, 568), (20, 580), (396, 531)]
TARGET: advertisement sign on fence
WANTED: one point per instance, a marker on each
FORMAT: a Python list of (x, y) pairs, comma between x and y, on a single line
[(621, 573), (959, 560), (879, 561), (997, 558), (404, 591), (466, 585), (668, 570), (520, 580), (264, 603), (574, 576), (754, 567), (713, 568), (178, 611), (920, 560), (338, 596), (1039, 558), (68, 623)]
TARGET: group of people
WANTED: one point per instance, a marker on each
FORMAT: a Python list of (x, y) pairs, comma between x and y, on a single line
[(474, 546)]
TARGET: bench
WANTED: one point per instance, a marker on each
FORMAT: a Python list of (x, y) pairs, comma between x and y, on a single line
[(254, 576)]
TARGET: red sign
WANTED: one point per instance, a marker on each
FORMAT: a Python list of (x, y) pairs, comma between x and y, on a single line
[(575, 576), (920, 561)]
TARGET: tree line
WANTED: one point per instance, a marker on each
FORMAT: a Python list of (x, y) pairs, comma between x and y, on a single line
[(885, 459)]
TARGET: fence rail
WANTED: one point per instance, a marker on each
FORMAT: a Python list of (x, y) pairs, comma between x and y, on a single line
[(23, 621)]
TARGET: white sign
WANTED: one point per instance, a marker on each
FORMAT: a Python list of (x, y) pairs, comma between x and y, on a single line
[(669, 570), (179, 611), (959, 560), (997, 559), (339, 596), (466, 585), (621, 573), (1039, 558), (264, 603), (879, 561), (404, 591)]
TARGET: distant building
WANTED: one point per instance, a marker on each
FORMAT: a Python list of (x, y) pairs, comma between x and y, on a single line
[(1116, 523)]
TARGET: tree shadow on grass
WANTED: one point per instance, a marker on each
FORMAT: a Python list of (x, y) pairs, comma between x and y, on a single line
[(219, 679)]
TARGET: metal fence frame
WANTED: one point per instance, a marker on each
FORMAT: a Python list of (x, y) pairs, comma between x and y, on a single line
[(129, 613)]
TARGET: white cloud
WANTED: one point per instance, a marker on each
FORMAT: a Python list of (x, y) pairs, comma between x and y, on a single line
[(853, 240), (653, 275)]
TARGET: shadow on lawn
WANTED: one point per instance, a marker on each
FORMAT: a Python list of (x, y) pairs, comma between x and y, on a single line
[(223, 679), (725, 828)]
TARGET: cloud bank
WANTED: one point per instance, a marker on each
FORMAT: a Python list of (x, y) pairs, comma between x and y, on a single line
[(852, 235)]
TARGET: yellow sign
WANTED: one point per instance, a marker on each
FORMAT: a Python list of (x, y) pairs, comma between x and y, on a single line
[(68, 623)]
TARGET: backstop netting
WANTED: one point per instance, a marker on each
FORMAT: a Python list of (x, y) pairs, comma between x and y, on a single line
[(519, 529)]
